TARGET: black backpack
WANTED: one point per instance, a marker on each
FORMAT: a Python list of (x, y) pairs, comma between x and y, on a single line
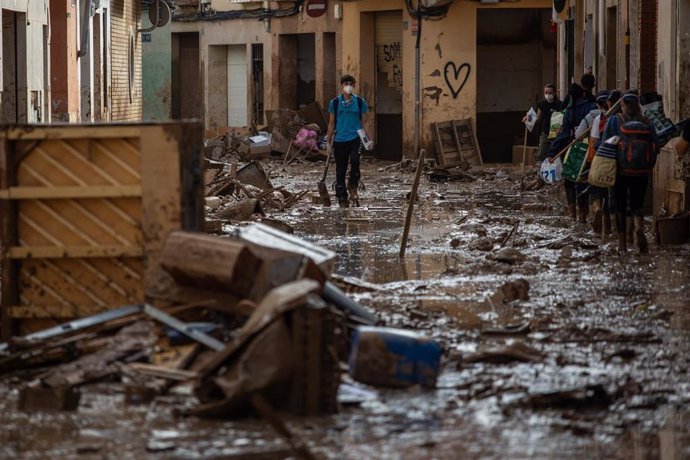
[(335, 109), (636, 148)]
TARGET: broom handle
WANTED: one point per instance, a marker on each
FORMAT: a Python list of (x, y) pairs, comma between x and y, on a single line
[(328, 162)]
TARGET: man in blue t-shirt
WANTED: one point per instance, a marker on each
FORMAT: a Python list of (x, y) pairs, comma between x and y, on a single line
[(346, 112)]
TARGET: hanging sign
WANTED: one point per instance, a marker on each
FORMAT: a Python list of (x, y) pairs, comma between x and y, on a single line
[(316, 8)]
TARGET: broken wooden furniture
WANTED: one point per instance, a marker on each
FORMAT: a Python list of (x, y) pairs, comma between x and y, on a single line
[(456, 143), (288, 351), (84, 212)]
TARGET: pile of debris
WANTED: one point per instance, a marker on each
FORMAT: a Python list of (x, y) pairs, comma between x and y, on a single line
[(251, 323), (239, 195), (298, 135)]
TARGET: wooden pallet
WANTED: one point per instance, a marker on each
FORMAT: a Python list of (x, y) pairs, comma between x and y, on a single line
[(84, 211), (456, 143)]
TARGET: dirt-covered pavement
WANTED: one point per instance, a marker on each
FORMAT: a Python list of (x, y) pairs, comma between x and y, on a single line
[(554, 345)]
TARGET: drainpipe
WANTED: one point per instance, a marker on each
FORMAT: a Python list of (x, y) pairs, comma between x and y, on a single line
[(87, 14), (417, 84), (602, 34)]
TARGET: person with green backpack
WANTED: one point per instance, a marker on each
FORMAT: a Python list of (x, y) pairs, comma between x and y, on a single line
[(637, 149), (574, 114)]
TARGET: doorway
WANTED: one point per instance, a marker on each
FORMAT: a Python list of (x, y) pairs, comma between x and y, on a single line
[(258, 83), (516, 57), (388, 89), (237, 85), (14, 79), (186, 89), (611, 47), (297, 70)]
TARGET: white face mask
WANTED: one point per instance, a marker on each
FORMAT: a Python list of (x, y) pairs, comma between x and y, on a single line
[(347, 89), (549, 97)]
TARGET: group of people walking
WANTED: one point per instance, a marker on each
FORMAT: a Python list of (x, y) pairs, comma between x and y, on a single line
[(614, 118)]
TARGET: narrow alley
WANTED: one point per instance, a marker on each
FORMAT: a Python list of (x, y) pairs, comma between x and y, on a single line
[(381, 229)]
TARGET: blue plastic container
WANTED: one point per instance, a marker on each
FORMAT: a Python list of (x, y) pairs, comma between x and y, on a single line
[(394, 357)]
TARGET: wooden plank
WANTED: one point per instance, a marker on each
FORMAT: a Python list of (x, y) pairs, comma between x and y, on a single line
[(473, 135), (58, 252), (454, 131), (161, 193), (164, 372), (72, 132), (102, 191), (53, 311), (439, 145), (9, 287)]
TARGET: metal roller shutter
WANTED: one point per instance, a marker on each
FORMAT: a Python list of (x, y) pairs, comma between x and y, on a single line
[(388, 37)]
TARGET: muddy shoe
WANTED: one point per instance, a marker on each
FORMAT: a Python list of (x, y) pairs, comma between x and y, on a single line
[(344, 204), (607, 225), (572, 212), (622, 244), (582, 215), (354, 196), (640, 236), (597, 217)]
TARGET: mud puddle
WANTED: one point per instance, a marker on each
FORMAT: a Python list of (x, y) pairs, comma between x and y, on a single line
[(593, 363)]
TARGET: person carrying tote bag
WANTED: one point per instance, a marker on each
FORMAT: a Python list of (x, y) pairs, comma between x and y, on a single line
[(602, 173)]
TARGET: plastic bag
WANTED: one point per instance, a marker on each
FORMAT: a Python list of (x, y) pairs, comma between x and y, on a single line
[(572, 164), (552, 173), (305, 139), (556, 122)]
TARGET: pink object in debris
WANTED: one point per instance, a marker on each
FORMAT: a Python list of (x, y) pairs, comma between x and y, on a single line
[(306, 139)]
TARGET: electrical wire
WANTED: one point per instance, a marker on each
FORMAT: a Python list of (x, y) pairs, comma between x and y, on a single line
[(257, 13)]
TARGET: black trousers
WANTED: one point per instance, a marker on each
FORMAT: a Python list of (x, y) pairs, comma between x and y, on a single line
[(346, 152), (629, 193), (599, 193), (575, 191)]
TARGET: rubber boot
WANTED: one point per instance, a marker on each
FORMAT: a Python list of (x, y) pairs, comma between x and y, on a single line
[(607, 225), (572, 212), (629, 231), (597, 217), (622, 244), (582, 214), (639, 234)]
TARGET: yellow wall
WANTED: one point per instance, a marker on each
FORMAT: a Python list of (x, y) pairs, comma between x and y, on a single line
[(448, 42)]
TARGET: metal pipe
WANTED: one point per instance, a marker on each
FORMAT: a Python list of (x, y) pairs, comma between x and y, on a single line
[(85, 28), (335, 296)]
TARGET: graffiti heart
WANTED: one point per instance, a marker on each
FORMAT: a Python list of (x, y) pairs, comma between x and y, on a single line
[(456, 76)]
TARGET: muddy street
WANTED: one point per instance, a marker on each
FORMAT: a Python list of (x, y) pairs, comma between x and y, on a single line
[(554, 346)]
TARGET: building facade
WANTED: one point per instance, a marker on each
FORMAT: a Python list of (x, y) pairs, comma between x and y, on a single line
[(242, 60), (70, 61), (487, 62), (24, 49)]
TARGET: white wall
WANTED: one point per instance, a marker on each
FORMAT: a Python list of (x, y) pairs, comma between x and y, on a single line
[(37, 17)]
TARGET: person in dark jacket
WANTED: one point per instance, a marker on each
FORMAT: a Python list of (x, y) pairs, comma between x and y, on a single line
[(574, 114), (631, 184), (549, 104)]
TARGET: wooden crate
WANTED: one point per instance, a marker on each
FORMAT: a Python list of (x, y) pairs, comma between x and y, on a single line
[(84, 211), (456, 143)]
